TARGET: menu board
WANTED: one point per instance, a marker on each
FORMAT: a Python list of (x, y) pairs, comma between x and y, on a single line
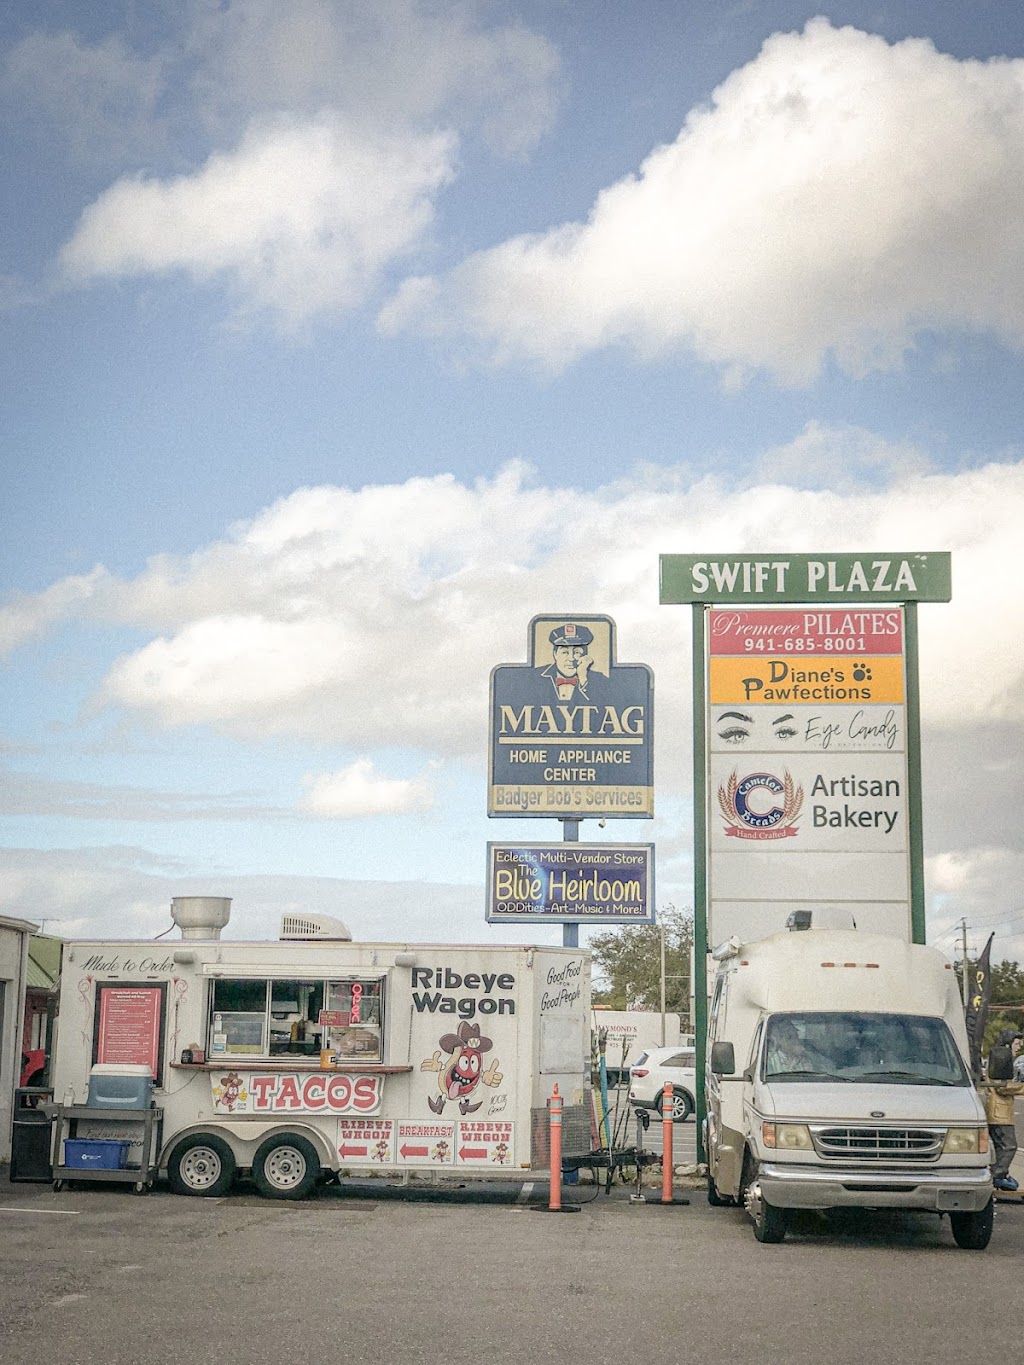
[(129, 1021)]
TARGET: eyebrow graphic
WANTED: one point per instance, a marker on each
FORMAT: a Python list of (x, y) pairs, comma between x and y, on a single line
[(736, 715), (779, 719)]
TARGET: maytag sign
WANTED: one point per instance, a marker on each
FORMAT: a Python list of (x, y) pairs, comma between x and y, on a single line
[(572, 730), (570, 883)]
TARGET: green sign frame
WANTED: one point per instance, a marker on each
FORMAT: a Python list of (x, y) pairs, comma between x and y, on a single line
[(850, 579)]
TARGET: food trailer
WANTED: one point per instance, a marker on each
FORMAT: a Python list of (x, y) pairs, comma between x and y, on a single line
[(313, 1055)]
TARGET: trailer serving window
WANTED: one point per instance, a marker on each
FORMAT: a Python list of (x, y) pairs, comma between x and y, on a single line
[(288, 1019), (353, 1019)]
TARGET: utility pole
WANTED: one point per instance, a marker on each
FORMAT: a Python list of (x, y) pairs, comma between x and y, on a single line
[(964, 991)]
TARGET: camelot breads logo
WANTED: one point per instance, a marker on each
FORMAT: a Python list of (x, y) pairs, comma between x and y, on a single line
[(761, 806)]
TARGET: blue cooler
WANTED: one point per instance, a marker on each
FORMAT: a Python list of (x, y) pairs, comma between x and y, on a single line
[(115, 1085)]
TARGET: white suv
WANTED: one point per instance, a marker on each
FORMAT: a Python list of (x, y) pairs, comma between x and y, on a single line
[(650, 1071)]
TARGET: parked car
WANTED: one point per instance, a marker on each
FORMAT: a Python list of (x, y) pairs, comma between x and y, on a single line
[(650, 1071)]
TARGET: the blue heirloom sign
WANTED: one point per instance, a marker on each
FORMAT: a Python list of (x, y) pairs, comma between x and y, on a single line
[(571, 883), (572, 730)]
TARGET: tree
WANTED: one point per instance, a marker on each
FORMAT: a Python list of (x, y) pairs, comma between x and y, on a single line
[(629, 962)]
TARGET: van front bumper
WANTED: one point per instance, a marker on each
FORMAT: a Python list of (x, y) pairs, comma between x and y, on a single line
[(963, 1189)]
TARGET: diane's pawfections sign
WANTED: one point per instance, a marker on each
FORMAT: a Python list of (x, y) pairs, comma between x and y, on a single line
[(571, 730), (571, 883)]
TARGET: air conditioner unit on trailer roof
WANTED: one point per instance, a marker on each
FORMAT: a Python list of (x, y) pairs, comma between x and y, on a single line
[(322, 927)]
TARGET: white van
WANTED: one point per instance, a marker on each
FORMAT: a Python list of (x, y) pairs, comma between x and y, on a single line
[(838, 1076)]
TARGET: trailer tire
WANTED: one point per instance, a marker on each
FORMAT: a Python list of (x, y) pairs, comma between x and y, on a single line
[(202, 1165), (973, 1231), (286, 1166)]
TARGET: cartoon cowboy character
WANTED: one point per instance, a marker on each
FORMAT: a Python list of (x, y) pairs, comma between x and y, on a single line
[(463, 1072)]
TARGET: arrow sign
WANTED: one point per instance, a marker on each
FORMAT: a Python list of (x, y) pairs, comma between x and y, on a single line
[(352, 1151), (469, 1153), (415, 1151)]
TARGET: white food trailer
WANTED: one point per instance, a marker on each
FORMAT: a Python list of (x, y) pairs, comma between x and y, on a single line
[(315, 1054)]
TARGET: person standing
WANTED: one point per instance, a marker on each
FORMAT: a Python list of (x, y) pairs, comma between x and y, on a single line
[(1000, 1092)]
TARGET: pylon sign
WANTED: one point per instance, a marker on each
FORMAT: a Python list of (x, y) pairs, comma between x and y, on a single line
[(572, 731), (807, 755)]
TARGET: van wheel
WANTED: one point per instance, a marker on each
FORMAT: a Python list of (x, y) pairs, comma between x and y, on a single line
[(285, 1167), (769, 1221), (202, 1165), (973, 1231), (682, 1106)]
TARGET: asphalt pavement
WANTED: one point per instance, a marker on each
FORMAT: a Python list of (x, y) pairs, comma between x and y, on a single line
[(96, 1275)]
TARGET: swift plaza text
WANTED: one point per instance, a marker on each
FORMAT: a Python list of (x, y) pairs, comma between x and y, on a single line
[(767, 576)]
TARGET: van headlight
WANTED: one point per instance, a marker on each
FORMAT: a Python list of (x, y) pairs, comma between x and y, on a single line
[(787, 1137), (964, 1141)]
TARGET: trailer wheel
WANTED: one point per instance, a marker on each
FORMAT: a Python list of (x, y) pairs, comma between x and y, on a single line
[(285, 1167), (973, 1231), (202, 1165)]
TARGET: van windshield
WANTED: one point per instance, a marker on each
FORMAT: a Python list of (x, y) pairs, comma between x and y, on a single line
[(880, 1049)]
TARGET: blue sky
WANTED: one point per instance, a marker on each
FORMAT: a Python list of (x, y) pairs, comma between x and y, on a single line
[(340, 340)]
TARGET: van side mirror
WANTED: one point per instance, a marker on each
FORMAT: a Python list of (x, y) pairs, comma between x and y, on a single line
[(723, 1059)]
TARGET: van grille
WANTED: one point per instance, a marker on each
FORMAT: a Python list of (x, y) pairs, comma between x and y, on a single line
[(878, 1144)]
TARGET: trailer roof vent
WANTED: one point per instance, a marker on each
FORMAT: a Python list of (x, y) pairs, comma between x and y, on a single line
[(322, 927)]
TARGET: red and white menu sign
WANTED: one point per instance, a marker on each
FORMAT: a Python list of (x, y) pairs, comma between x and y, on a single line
[(128, 1029)]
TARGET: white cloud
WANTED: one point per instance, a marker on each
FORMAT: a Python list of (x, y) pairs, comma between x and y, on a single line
[(372, 617), (316, 135), (301, 217), (840, 196), (102, 96), (840, 459), (23, 794), (358, 791), (214, 68), (26, 616), (393, 62), (125, 893), (971, 884)]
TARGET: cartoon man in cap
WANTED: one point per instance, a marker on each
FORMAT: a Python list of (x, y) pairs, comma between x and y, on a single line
[(570, 675)]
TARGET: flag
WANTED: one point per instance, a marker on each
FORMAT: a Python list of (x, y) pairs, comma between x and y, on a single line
[(979, 981)]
